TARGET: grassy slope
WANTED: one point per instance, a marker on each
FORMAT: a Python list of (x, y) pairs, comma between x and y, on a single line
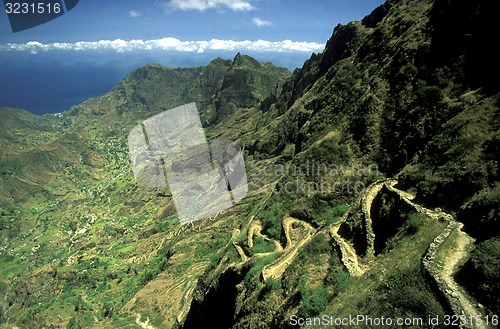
[(78, 237)]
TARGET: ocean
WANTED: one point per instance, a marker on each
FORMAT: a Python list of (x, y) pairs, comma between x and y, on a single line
[(52, 82), (43, 83)]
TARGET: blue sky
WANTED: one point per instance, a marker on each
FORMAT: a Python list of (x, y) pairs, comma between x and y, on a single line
[(100, 41), (92, 20)]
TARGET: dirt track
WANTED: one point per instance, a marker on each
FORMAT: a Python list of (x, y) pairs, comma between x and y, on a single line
[(349, 257), (459, 253), (443, 274), (276, 269), (464, 304), (143, 325), (366, 206)]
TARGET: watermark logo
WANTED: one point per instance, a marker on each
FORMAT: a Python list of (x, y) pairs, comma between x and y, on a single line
[(26, 14), (170, 150), (310, 177)]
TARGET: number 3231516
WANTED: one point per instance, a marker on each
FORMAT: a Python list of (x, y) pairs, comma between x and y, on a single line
[(32, 8)]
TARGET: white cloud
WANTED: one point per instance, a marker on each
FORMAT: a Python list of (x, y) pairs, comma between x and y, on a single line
[(261, 22), (202, 5), (134, 13), (168, 44)]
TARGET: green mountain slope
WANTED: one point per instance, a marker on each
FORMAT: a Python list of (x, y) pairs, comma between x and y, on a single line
[(61, 174), (373, 176)]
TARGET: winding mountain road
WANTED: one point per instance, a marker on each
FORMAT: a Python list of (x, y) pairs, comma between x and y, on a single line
[(459, 242), (276, 269)]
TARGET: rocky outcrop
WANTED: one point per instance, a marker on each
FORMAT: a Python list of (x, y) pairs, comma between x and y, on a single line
[(366, 207), (348, 255)]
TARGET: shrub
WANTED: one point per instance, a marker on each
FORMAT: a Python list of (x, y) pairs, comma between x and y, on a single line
[(342, 280), (259, 266), (314, 302), (318, 245), (484, 267), (72, 324), (261, 245), (211, 246), (414, 222), (331, 215), (271, 284), (272, 221)]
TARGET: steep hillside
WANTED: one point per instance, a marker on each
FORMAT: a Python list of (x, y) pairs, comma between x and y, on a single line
[(67, 188), (18, 128), (373, 189), (405, 89), (218, 89)]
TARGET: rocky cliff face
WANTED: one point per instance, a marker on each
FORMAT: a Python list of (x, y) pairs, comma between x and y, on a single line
[(413, 88), (403, 86)]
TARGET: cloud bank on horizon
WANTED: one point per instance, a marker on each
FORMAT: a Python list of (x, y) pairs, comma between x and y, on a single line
[(83, 54), (168, 44)]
